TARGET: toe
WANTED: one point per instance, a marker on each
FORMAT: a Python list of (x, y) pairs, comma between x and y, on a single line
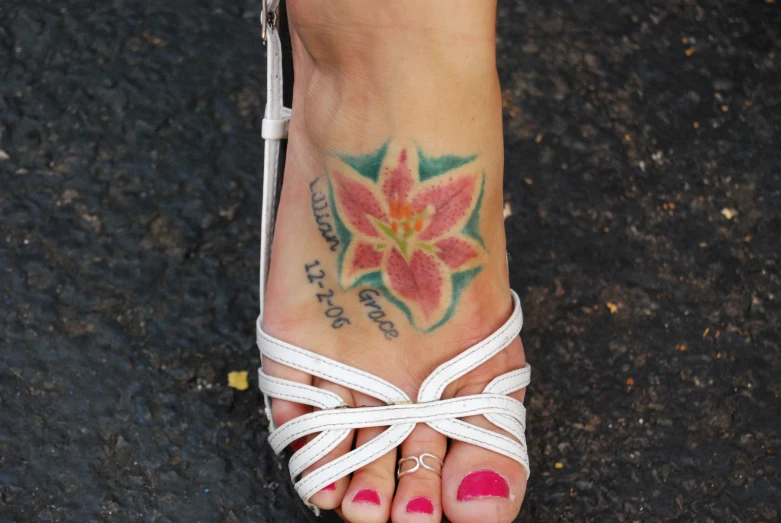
[(479, 483), (369, 496), (419, 494), (331, 496)]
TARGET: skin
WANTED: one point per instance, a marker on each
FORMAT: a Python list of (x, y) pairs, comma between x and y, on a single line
[(412, 75)]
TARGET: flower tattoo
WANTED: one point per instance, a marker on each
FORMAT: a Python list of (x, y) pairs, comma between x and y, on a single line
[(409, 226)]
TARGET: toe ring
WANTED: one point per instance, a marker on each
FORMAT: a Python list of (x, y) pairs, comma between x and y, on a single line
[(420, 462)]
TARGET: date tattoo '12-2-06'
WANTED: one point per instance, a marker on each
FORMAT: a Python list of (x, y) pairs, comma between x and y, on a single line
[(316, 275), (407, 225)]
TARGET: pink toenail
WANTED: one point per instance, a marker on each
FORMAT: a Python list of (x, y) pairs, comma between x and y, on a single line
[(483, 484), (420, 505), (332, 486), (367, 495)]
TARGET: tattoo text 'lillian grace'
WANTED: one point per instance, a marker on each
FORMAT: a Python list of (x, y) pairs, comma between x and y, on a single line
[(376, 314), (323, 218)]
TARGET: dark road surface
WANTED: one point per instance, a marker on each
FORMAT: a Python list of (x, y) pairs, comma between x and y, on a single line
[(643, 146)]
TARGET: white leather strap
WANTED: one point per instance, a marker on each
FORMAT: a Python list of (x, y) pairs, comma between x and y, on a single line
[(274, 123), (273, 112), (363, 417), (331, 420), (352, 461), (466, 432), (315, 449), (298, 392), (334, 423), (327, 368), (511, 382), (470, 359)]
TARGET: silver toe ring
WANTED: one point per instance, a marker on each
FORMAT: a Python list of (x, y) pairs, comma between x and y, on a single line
[(419, 462)]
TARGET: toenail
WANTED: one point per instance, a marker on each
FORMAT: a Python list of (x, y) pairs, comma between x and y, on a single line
[(367, 495), (332, 486), (298, 444), (483, 484), (420, 506)]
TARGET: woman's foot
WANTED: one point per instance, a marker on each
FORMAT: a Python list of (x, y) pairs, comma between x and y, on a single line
[(389, 250)]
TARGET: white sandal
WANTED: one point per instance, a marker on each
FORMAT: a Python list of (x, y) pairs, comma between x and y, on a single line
[(334, 421)]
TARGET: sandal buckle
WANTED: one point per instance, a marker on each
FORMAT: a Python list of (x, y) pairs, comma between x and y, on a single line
[(268, 19)]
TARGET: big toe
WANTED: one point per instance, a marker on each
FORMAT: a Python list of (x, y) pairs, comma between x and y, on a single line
[(481, 485)]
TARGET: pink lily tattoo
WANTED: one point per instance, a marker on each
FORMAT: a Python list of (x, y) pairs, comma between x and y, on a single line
[(409, 226)]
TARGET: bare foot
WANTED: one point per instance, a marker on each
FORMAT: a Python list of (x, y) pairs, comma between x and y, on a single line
[(389, 249)]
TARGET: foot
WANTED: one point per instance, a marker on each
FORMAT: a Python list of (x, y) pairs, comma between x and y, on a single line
[(389, 250)]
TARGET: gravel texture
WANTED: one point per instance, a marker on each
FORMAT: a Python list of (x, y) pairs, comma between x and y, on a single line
[(643, 179)]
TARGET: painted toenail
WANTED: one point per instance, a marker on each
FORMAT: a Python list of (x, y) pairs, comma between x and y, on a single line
[(483, 484), (367, 495), (298, 444), (332, 486), (420, 506)]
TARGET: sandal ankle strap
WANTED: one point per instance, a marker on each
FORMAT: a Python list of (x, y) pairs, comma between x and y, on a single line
[(276, 120)]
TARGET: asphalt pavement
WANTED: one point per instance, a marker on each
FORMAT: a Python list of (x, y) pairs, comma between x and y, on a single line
[(643, 176)]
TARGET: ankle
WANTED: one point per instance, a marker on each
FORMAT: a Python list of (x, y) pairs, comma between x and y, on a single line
[(351, 35), (406, 72)]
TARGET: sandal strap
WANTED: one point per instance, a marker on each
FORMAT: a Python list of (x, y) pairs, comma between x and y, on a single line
[(510, 382), (310, 453), (334, 423), (276, 119), (433, 386), (487, 439), (328, 369), (445, 374), (388, 415), (298, 392), (334, 470)]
